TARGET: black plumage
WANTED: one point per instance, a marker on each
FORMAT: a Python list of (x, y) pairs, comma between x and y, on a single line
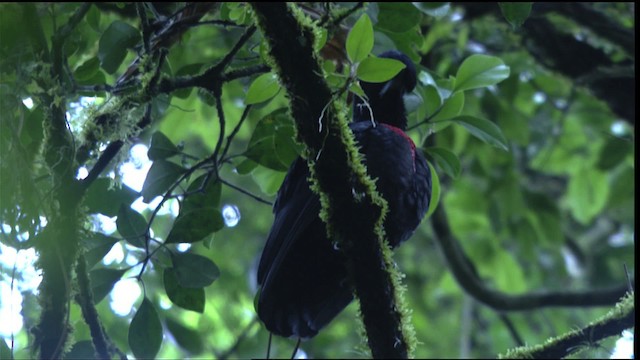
[(302, 274)]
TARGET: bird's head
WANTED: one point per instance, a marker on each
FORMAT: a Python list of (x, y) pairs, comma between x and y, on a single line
[(385, 100)]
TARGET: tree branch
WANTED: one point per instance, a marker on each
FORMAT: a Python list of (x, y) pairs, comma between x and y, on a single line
[(465, 274), (620, 318), (337, 169)]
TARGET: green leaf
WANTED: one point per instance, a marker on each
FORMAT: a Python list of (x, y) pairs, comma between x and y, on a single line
[(93, 18), (268, 180), (451, 107), (263, 152), (263, 88), (87, 69), (199, 214), (161, 147), (186, 298), (246, 166), (360, 39), (102, 281), (483, 129), (104, 197), (145, 331), (515, 12), (615, 150), (113, 44), (159, 179), (195, 225), (397, 17), (375, 70), (272, 143), (435, 191), (132, 226), (435, 9), (97, 245), (194, 271), (587, 193), (448, 161), (479, 71), (203, 194), (187, 338)]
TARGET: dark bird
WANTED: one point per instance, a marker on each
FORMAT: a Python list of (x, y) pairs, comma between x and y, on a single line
[(302, 274)]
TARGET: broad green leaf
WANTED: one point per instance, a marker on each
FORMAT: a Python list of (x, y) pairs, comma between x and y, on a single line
[(102, 281), (515, 12), (159, 179), (97, 245), (360, 39), (187, 298), (273, 143), (435, 191), (113, 44), (145, 331), (193, 270), (199, 214), (479, 71), (201, 194), (375, 70), (621, 199), (587, 193), (285, 148), (263, 88), (87, 69), (161, 147), (615, 150), (246, 166), (435, 9), (483, 129), (93, 18), (431, 101), (132, 226), (186, 337), (448, 161), (357, 90), (263, 152), (451, 107), (195, 225), (268, 180), (397, 17), (104, 197)]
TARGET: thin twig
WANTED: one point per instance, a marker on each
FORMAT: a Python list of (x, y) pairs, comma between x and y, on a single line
[(243, 191), (235, 130)]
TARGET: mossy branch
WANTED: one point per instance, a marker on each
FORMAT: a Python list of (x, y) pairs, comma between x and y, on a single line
[(618, 319), (338, 174), (58, 243)]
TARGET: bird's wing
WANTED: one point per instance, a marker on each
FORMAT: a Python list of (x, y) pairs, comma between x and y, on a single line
[(295, 208)]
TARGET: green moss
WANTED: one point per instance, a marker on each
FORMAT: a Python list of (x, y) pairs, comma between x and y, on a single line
[(621, 310)]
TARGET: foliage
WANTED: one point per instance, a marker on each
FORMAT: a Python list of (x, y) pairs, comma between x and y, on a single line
[(531, 141)]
